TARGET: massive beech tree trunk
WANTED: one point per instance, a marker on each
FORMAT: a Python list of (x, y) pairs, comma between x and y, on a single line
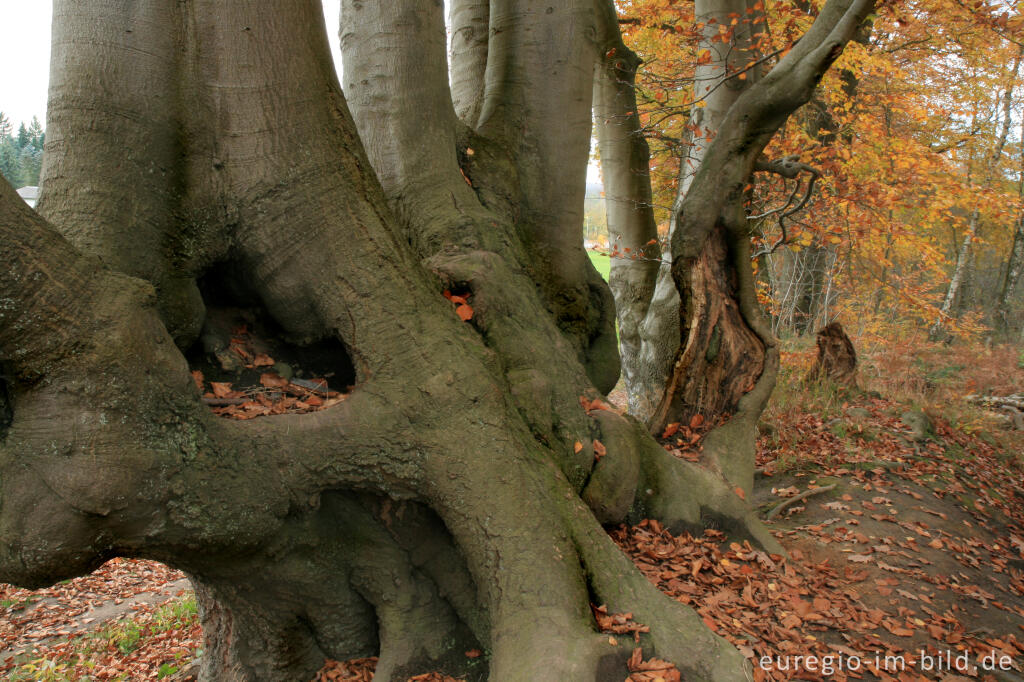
[(203, 152), (704, 348)]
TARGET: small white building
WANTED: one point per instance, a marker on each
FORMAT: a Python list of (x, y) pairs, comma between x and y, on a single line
[(30, 194)]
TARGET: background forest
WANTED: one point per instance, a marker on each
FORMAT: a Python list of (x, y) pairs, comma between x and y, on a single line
[(913, 143), (21, 152)]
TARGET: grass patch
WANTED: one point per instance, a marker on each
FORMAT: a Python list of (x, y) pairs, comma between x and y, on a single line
[(122, 643), (602, 262)]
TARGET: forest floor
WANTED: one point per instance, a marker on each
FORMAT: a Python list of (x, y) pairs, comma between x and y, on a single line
[(905, 557)]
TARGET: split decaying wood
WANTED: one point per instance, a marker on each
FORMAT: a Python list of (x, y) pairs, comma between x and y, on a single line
[(1015, 401)]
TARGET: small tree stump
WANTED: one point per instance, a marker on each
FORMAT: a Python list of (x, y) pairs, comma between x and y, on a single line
[(836, 359)]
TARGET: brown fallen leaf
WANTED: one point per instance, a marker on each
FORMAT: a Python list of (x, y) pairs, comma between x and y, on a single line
[(273, 380), (221, 389)]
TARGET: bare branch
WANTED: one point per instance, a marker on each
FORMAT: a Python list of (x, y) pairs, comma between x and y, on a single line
[(788, 167)]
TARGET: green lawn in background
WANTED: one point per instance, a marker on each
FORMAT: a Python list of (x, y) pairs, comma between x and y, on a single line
[(602, 262)]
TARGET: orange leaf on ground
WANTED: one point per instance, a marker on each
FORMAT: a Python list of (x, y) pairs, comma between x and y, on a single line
[(221, 389), (263, 360), (464, 312), (236, 345), (273, 380)]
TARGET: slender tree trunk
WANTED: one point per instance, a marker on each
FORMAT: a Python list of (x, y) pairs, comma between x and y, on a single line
[(1015, 260), (1014, 267), (632, 232)]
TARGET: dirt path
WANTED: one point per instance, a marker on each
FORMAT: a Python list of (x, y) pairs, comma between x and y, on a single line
[(928, 532)]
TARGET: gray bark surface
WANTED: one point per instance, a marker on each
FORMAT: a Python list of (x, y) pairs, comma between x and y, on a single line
[(1015, 259), (632, 232), (1014, 268), (444, 505)]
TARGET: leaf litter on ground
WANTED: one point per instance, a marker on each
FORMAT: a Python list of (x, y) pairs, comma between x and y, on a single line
[(920, 550)]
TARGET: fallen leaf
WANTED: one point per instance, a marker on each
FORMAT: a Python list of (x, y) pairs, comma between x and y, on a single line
[(221, 389), (273, 380)]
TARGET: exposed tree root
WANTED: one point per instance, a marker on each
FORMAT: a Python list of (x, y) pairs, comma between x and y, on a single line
[(677, 633), (797, 498)]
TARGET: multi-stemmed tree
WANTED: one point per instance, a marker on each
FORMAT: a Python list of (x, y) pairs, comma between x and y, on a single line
[(695, 341), (203, 152)]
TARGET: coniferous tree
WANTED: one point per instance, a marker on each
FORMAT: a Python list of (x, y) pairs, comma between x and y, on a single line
[(21, 155)]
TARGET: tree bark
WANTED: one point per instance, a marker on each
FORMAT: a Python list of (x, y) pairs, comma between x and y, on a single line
[(1014, 267), (717, 357), (453, 500), (632, 232), (1015, 259)]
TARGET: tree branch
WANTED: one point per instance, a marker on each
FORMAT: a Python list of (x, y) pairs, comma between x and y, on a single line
[(787, 167), (755, 118), (797, 498)]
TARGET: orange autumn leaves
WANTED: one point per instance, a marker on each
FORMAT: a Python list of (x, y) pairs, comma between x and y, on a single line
[(274, 395), (774, 608), (590, 406), (462, 307)]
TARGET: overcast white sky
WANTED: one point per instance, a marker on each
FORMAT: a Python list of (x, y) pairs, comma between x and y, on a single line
[(25, 55)]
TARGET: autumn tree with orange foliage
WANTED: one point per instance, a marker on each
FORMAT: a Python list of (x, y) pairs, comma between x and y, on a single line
[(914, 221)]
